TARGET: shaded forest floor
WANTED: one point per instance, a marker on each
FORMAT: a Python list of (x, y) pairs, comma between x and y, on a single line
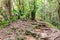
[(29, 30)]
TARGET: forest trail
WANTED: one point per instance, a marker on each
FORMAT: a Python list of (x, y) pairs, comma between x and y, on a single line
[(29, 30)]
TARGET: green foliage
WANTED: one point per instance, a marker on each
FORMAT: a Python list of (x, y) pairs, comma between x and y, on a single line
[(14, 11), (51, 8), (58, 27), (50, 25), (4, 23), (13, 19)]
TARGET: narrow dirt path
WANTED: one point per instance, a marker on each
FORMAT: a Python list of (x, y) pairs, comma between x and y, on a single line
[(29, 30)]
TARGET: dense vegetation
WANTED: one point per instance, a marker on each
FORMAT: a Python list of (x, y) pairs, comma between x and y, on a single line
[(47, 10), (29, 19)]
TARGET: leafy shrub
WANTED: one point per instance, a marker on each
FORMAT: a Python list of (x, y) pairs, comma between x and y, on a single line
[(4, 23), (12, 19)]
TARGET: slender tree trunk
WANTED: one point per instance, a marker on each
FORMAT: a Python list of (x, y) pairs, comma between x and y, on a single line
[(8, 8), (59, 10), (23, 6), (0, 6), (19, 13), (29, 14), (50, 16), (21, 2), (33, 11), (45, 3), (59, 13)]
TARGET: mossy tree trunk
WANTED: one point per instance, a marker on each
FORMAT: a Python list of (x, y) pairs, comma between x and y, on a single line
[(23, 7), (19, 5), (8, 8), (29, 14), (59, 10), (33, 11)]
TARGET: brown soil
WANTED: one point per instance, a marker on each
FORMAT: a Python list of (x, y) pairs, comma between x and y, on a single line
[(29, 30)]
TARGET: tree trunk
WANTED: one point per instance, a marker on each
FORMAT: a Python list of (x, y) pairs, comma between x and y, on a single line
[(50, 16), (8, 8), (29, 14), (59, 10), (45, 3), (33, 11), (21, 2), (0, 6), (23, 6), (59, 13), (19, 13)]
